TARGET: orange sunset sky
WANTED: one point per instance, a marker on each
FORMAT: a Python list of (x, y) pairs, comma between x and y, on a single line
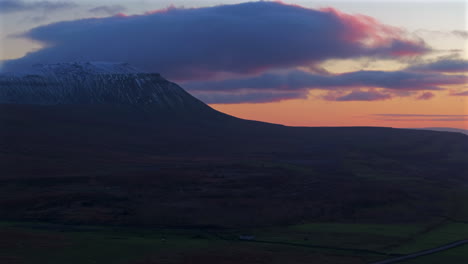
[(315, 112)]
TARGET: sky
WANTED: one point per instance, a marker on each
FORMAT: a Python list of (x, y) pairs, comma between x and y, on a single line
[(299, 63)]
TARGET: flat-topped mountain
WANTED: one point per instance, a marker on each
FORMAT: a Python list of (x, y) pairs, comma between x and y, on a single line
[(95, 83)]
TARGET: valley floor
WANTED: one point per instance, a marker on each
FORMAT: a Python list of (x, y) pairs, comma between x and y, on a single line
[(28, 242)]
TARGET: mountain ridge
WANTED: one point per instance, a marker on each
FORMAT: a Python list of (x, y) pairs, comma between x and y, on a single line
[(95, 83)]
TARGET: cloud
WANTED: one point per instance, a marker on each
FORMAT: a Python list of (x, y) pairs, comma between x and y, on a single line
[(443, 65), (425, 96), (461, 33), (297, 80), (464, 93), (420, 117), (12, 6), (108, 9), (352, 86), (249, 97), (200, 43), (425, 120), (362, 96), (426, 33)]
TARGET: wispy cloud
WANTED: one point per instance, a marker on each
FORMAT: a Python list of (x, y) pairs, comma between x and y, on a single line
[(420, 117), (352, 86), (249, 97), (362, 96), (108, 9), (461, 33), (12, 6), (424, 119), (425, 96), (442, 65), (442, 33), (464, 93), (295, 80)]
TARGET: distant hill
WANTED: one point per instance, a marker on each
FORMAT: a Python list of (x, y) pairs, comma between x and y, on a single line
[(447, 129)]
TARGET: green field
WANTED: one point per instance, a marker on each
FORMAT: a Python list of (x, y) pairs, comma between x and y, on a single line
[(455, 255), (26, 242)]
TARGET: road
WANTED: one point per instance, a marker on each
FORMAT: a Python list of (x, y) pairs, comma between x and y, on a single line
[(423, 253)]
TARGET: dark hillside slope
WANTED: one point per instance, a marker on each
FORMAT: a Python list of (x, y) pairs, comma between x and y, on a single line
[(103, 143), (86, 133), (125, 165)]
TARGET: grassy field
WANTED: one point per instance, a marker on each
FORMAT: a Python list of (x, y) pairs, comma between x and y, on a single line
[(455, 255), (26, 242), (443, 234)]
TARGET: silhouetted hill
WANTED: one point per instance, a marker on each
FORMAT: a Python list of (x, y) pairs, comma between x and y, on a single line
[(446, 129)]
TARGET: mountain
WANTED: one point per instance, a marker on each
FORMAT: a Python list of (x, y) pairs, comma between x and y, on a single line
[(94, 83), (102, 143)]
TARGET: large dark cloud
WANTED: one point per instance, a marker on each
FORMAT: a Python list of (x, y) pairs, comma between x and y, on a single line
[(12, 6), (199, 43)]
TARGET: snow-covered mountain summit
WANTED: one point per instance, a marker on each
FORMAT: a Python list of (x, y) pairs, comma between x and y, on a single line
[(96, 67), (93, 83)]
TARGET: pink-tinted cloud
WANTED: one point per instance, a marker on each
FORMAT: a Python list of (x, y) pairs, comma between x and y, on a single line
[(371, 33), (199, 43)]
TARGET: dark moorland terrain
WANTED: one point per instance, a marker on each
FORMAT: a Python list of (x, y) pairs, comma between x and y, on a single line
[(201, 183), (107, 183)]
